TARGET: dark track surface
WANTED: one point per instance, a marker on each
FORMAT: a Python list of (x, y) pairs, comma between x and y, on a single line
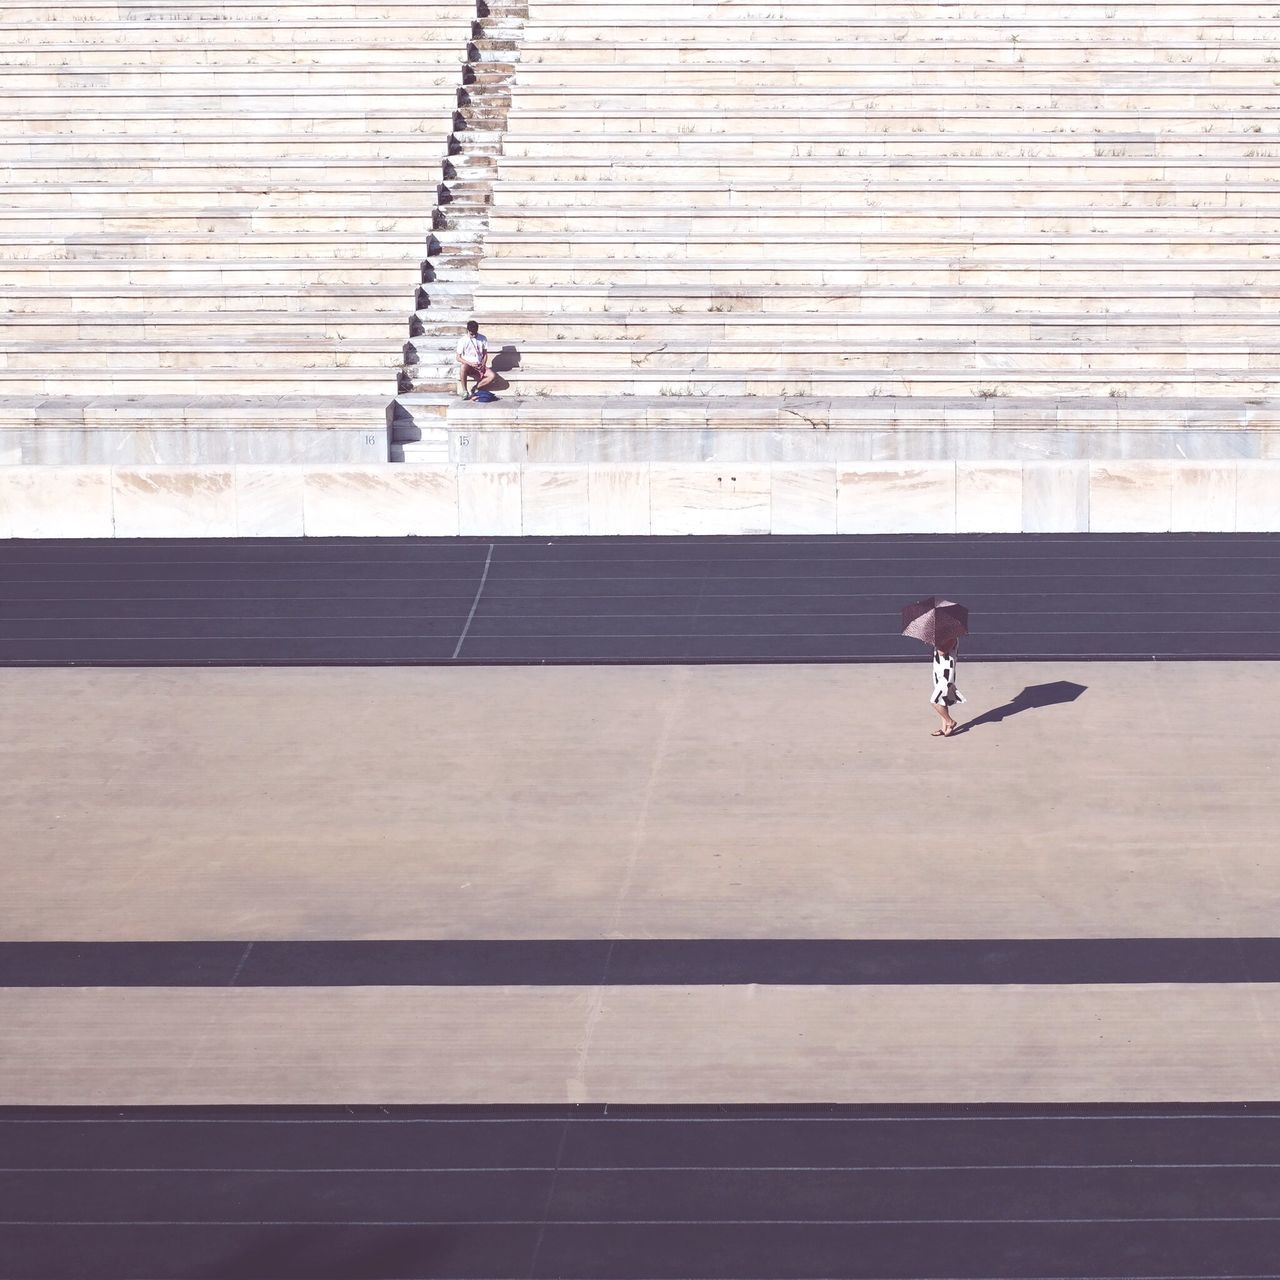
[(359, 1194), (636, 961), (178, 602)]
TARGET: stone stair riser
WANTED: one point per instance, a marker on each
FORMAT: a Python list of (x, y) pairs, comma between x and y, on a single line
[(1131, 95), (1111, 299), (975, 389), (578, 63), (838, 152), (891, 171), (323, 173), (990, 360), (1017, 224), (227, 80), (233, 58), (209, 276), (853, 252), (380, 333), (878, 76), (305, 107), (310, 200), (61, 225), (635, 128), (992, 275), (891, 196), (232, 382), (287, 303)]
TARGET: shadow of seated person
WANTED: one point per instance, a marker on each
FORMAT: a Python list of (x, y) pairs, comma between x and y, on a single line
[(503, 362), (1033, 696)]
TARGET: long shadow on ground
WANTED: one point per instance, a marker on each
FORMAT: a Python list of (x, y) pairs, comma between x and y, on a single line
[(1050, 694)]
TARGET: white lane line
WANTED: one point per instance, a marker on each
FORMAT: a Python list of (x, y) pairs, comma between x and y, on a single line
[(630, 1168), (475, 604), (609, 1222), (244, 959), (1251, 1117)]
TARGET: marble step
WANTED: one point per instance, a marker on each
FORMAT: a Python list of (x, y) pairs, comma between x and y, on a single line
[(210, 276), (783, 143), (229, 381), (1155, 329), (695, 251), (383, 331), (905, 11), (163, 238), (435, 25), (976, 387), (703, 26), (1001, 272), (1197, 70), (231, 78), (483, 50), (427, 120), (779, 58), (788, 226), (233, 196), (273, 174), (1064, 94), (176, 247), (57, 224), (218, 52), (289, 301), (197, 352), (938, 172), (887, 193), (560, 11), (248, 101), (717, 120), (1110, 297), (905, 357), (1078, 414), (74, 13), (231, 410), (133, 151)]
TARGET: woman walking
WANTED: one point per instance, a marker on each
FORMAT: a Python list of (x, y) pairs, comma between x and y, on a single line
[(945, 693), (940, 624)]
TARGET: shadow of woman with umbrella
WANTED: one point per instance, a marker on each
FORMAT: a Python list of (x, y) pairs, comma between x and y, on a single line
[(1051, 694)]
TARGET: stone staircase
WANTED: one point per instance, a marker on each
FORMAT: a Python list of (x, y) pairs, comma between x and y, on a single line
[(461, 229), (213, 219), (1020, 217)]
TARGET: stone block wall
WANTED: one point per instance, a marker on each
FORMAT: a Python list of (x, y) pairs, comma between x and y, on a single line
[(511, 500)]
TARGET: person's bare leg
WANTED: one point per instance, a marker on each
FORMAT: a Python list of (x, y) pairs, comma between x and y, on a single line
[(485, 379), (948, 724), (462, 381)]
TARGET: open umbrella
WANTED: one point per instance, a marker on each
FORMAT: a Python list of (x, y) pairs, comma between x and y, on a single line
[(935, 621)]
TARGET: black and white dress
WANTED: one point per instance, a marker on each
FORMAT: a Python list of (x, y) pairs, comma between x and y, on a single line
[(945, 693)]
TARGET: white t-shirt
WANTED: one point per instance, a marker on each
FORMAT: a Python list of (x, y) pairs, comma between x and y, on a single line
[(473, 349)]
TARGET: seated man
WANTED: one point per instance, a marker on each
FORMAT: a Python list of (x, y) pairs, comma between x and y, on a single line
[(473, 361)]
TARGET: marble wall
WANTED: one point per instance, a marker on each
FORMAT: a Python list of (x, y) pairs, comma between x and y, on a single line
[(561, 499)]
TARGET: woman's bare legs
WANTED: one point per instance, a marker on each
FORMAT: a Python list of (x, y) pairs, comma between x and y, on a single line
[(948, 724)]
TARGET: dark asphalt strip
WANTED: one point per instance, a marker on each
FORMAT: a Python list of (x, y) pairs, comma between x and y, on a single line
[(633, 600), (628, 962), (1006, 1193)]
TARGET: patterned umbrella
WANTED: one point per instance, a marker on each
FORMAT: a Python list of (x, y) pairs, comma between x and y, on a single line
[(935, 621)]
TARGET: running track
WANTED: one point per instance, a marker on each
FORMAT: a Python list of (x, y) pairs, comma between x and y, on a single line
[(1183, 1192), (662, 600), (730, 1192)]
